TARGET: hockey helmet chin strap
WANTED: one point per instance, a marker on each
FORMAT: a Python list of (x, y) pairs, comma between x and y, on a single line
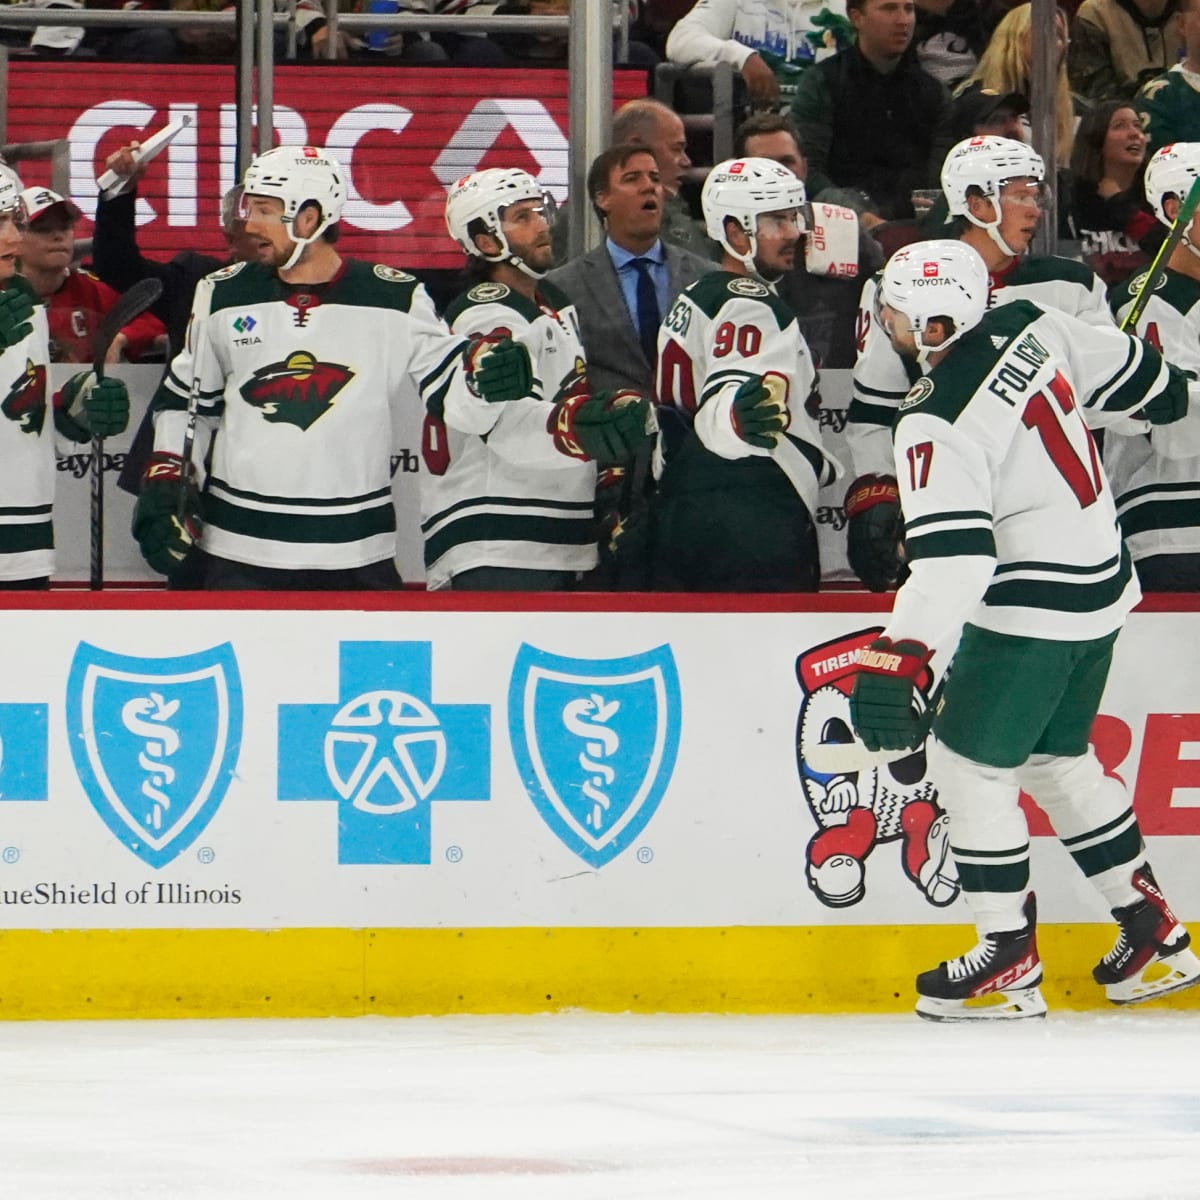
[(993, 227), (298, 244)]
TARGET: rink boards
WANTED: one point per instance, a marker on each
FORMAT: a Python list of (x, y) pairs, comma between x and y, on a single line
[(470, 806)]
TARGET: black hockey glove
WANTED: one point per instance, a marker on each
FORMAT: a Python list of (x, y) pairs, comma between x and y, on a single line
[(605, 427), (499, 369), (881, 706), (1171, 404), (760, 413), (166, 517), (16, 317), (873, 531)]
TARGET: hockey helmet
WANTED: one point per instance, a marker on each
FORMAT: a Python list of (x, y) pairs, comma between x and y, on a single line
[(11, 187), (1171, 172), (743, 189), (928, 280), (298, 175), (483, 196), (986, 164)]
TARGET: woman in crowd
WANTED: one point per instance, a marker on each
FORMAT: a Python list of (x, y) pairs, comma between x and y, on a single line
[(1109, 213)]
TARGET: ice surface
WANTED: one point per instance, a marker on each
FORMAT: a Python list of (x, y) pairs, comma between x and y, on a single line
[(590, 1107)]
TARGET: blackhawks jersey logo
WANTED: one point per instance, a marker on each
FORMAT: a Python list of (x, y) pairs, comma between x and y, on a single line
[(26, 399), (298, 391)]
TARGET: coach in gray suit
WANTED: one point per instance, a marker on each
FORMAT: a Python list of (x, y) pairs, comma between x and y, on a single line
[(625, 286)]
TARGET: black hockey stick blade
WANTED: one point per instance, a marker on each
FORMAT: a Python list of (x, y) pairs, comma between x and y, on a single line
[(130, 304), (1183, 218)]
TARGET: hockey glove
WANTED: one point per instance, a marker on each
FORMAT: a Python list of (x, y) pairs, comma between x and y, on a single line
[(881, 706), (605, 427), (873, 531), (498, 369), (163, 534), (92, 407), (16, 317), (759, 412), (1171, 404)]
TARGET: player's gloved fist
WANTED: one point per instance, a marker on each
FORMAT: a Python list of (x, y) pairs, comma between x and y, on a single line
[(605, 427), (16, 317), (873, 531), (760, 413), (98, 407), (1171, 404), (499, 370), (881, 705), (166, 517)]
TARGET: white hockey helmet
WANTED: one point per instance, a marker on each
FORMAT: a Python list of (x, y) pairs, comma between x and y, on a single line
[(11, 187), (743, 189), (1171, 172), (298, 175), (987, 164), (483, 196), (926, 280)]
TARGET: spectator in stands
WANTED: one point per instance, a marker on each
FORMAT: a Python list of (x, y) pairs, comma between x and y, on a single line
[(75, 299), (869, 117), (826, 305), (949, 38), (1109, 211), (1170, 104), (1117, 45), (1005, 68), (763, 42)]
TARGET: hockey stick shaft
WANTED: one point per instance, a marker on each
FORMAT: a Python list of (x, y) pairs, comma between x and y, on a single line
[(188, 469), (129, 305), (1183, 218)]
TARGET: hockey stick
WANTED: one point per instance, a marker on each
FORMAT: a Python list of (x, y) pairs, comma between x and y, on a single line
[(1183, 218), (129, 304)]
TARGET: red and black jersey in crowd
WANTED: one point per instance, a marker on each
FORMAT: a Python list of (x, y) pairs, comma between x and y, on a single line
[(75, 313)]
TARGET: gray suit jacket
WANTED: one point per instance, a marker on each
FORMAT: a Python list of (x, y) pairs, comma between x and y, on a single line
[(610, 341)]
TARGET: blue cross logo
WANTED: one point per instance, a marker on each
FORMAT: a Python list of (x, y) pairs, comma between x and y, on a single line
[(23, 742), (384, 752)]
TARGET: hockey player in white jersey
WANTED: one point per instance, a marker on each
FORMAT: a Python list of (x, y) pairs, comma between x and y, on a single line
[(1156, 475), (295, 366), (509, 489), (993, 189), (83, 408), (736, 503), (1018, 571)]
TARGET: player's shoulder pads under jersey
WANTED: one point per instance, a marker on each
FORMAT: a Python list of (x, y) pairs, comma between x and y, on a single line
[(243, 283), (373, 285), (947, 390), (555, 297), (711, 292), (484, 294), (1181, 292), (1050, 268)]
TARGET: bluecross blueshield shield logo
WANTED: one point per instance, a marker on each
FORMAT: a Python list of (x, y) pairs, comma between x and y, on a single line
[(595, 741), (155, 742)]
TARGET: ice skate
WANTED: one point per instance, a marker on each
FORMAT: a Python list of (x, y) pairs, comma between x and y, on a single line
[(997, 980), (1151, 957)]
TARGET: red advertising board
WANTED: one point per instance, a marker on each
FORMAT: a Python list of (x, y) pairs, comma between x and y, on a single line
[(403, 135)]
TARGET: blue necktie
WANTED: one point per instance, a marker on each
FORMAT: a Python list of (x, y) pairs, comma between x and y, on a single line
[(648, 316)]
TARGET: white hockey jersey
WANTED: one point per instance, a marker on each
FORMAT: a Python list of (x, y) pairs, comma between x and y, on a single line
[(299, 385), (1010, 521), (882, 378), (496, 491), (1156, 475), (27, 450), (722, 330)]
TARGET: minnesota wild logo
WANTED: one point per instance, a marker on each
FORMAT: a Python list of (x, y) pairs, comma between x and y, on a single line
[(26, 399), (297, 391)]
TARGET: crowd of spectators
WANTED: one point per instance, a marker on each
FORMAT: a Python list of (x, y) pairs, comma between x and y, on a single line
[(860, 99)]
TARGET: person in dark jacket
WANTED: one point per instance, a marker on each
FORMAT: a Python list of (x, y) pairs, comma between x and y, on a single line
[(1117, 45), (869, 117)]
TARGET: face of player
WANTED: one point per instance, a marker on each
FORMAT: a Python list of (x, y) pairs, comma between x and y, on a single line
[(777, 235), (1124, 143), (1020, 212), (264, 223), (49, 243), (632, 202), (245, 248), (12, 228), (527, 232), (779, 146)]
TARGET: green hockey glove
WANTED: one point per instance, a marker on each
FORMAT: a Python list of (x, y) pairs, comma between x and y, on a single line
[(1171, 404), (759, 412), (16, 317), (873, 531), (498, 369), (881, 706), (93, 407), (166, 517), (606, 427)]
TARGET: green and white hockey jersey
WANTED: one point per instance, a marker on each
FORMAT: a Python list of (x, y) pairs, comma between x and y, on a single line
[(27, 450), (1010, 522), (1156, 474), (722, 330), (496, 491), (299, 384), (882, 378)]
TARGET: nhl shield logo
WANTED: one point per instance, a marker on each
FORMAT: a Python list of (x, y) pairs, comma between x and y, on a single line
[(595, 742), (155, 742)]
